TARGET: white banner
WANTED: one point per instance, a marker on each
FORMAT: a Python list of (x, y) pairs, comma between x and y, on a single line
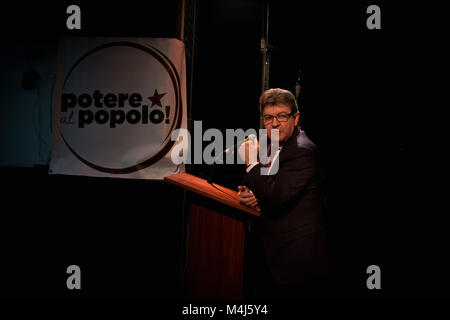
[(117, 102)]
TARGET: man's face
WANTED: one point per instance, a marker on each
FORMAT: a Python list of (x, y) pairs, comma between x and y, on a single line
[(285, 129)]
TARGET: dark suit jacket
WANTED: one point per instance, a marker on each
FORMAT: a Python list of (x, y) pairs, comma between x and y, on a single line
[(291, 211)]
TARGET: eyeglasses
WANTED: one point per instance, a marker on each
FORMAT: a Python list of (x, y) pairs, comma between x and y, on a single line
[(282, 117)]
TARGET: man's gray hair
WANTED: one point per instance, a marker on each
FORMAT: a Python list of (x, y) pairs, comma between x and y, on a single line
[(275, 96)]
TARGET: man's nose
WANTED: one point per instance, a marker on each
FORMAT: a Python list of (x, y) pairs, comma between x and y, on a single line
[(275, 122)]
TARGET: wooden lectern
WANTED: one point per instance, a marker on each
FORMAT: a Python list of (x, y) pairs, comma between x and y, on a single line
[(217, 231)]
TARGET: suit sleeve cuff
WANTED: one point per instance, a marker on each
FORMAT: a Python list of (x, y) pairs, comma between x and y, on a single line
[(250, 166)]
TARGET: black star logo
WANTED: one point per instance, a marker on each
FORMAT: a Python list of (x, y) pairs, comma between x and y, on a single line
[(156, 98)]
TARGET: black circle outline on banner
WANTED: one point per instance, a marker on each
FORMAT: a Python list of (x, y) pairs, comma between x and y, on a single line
[(174, 76)]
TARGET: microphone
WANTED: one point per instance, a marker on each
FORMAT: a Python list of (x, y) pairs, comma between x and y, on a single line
[(231, 149)]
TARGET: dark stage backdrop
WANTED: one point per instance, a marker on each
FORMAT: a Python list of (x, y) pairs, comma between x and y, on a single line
[(363, 103)]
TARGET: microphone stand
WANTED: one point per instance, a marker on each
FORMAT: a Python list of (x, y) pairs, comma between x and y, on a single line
[(212, 173)]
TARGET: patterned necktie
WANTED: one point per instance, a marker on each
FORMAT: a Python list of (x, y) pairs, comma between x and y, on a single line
[(269, 155), (272, 155)]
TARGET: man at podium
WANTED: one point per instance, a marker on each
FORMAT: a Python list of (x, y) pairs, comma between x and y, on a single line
[(290, 200)]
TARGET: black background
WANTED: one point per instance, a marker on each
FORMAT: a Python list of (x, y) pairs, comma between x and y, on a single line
[(364, 102)]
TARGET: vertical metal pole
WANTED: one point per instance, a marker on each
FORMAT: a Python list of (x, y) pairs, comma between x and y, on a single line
[(265, 49), (192, 64), (183, 7)]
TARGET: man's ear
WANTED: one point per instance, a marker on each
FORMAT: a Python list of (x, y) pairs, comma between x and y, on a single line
[(297, 118)]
